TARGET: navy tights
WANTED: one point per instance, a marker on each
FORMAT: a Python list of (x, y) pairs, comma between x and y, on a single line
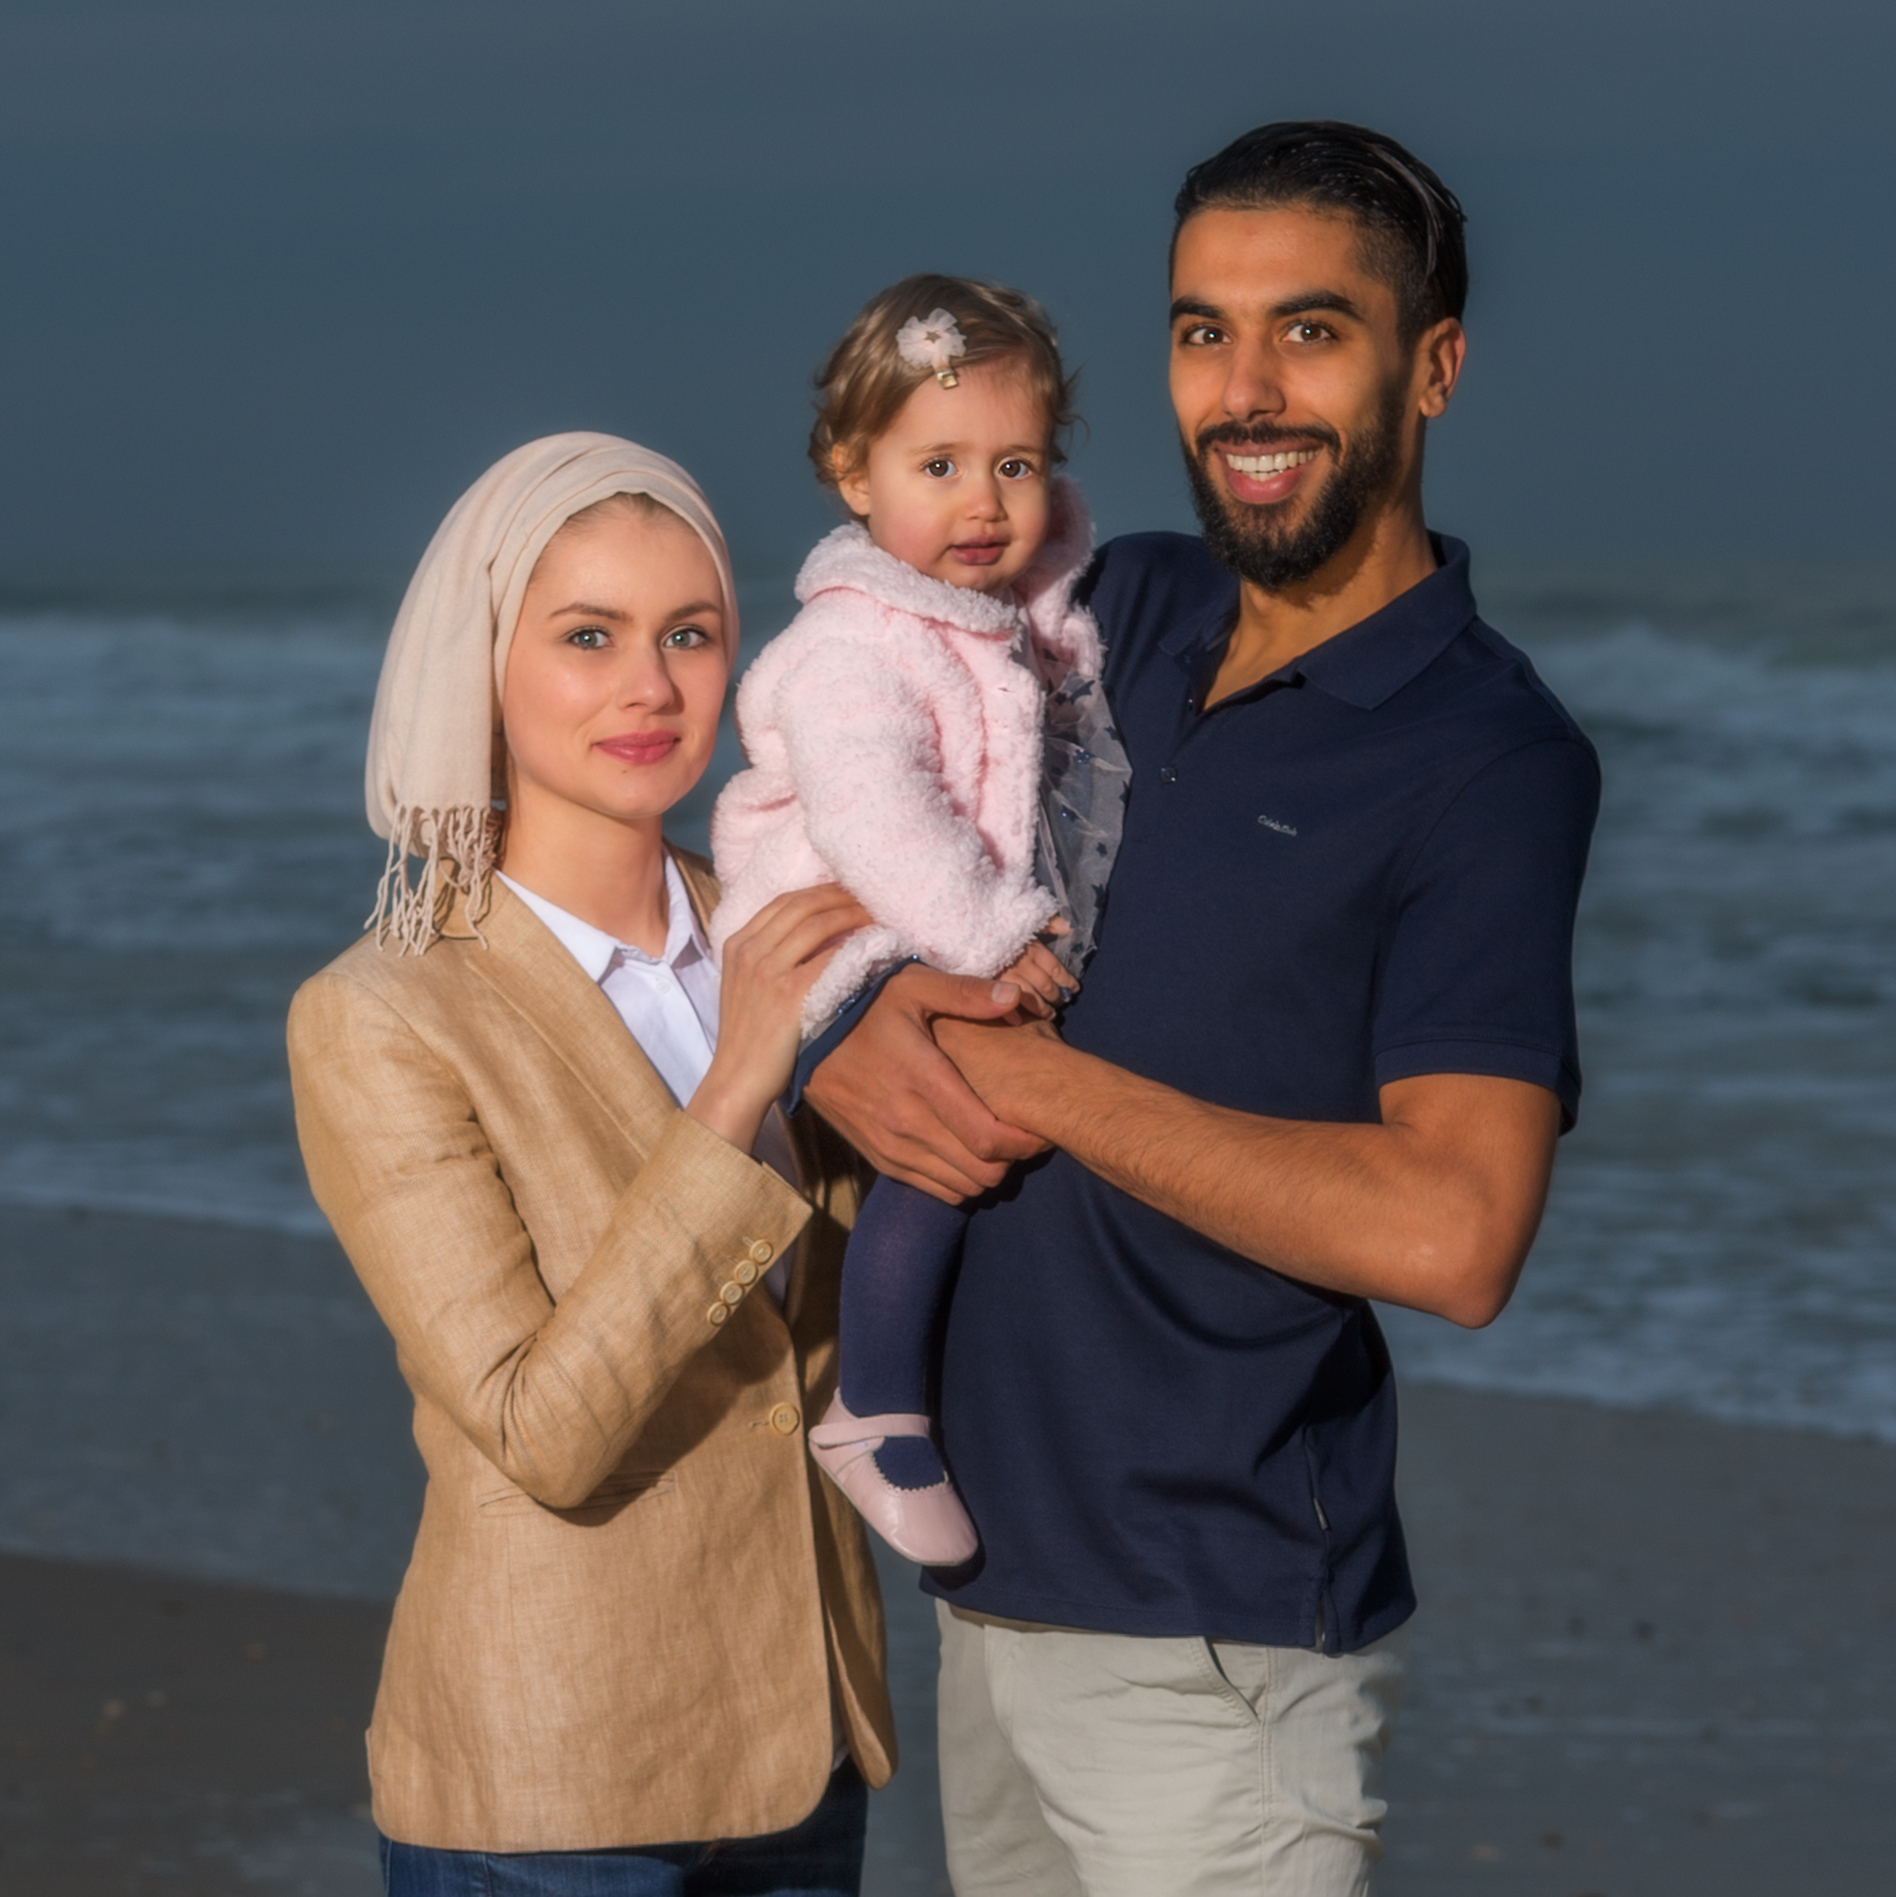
[(895, 1272)]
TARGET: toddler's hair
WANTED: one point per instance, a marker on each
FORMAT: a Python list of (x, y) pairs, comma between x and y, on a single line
[(860, 389)]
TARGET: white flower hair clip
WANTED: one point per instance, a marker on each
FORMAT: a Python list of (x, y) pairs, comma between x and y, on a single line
[(932, 342)]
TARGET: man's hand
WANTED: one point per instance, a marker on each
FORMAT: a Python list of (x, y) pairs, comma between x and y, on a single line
[(1434, 1208), (892, 1093), (997, 1058)]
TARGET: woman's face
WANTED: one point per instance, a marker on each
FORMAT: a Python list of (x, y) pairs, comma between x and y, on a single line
[(617, 670)]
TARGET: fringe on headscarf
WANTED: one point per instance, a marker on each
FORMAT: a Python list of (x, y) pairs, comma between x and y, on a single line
[(454, 852)]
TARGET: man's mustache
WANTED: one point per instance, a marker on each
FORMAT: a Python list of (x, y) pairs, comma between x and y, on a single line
[(1264, 435)]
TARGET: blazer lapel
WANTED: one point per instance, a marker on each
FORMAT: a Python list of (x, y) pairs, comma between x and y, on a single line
[(530, 969)]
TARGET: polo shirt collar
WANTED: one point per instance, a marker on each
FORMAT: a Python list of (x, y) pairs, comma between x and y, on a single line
[(1371, 661)]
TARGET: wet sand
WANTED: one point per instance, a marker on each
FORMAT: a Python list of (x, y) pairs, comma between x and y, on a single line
[(167, 1734), (1657, 1654)]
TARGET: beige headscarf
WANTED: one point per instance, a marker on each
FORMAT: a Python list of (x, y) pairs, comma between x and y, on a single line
[(431, 740)]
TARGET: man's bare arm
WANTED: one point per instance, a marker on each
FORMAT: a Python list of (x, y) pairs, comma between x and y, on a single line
[(892, 1093), (1435, 1208)]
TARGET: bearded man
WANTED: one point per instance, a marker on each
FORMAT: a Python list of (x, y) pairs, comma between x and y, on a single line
[(1321, 1056)]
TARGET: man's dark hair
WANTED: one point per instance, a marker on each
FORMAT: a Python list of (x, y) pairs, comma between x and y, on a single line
[(1411, 221)]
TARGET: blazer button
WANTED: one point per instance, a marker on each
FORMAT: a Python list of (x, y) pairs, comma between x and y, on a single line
[(717, 1314), (732, 1294), (762, 1252), (784, 1419), (746, 1273)]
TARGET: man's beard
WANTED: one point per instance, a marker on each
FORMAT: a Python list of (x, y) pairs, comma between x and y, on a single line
[(1254, 541)]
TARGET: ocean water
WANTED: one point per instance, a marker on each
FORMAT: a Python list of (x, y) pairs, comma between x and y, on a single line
[(1722, 1231), (186, 843)]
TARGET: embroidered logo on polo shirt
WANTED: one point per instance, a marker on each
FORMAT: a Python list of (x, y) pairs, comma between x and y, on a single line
[(1282, 829)]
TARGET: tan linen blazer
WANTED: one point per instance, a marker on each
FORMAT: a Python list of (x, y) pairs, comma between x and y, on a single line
[(631, 1590)]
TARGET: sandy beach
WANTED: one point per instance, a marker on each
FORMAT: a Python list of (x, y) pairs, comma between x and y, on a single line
[(1657, 1653)]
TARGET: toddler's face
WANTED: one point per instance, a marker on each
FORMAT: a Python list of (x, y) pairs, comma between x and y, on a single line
[(956, 486)]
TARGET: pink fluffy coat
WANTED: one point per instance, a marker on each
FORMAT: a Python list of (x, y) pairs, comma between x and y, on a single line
[(893, 732)]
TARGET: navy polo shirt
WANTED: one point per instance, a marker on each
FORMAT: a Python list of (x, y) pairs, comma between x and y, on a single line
[(1363, 868)]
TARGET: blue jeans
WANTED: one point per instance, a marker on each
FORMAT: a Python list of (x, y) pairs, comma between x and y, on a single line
[(821, 1857)]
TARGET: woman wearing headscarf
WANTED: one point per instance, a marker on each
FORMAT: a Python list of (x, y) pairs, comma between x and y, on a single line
[(639, 1646)]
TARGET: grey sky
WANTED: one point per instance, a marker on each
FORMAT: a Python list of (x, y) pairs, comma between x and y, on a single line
[(276, 280)]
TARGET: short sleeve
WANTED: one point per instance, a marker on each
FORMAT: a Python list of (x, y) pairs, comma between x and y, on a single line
[(1478, 978)]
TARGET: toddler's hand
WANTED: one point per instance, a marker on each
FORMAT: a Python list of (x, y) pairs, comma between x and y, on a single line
[(1043, 982)]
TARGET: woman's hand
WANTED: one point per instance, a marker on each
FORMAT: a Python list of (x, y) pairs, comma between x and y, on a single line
[(769, 966)]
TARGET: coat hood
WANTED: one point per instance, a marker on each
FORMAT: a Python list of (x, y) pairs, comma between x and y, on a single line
[(847, 560), (1062, 630)]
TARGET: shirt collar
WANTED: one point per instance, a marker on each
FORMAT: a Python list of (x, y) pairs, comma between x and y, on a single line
[(598, 953), (1372, 660)]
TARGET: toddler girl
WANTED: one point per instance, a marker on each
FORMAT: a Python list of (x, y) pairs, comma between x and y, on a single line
[(928, 733)]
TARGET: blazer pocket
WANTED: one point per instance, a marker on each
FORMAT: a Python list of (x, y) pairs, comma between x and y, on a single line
[(613, 1494)]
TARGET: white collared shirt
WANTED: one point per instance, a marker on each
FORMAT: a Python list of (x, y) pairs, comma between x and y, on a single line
[(669, 1002)]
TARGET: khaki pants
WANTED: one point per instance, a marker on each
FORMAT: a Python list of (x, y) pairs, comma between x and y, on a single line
[(1081, 1764)]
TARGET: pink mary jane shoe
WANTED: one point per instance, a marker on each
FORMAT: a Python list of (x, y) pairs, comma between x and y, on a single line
[(927, 1525)]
